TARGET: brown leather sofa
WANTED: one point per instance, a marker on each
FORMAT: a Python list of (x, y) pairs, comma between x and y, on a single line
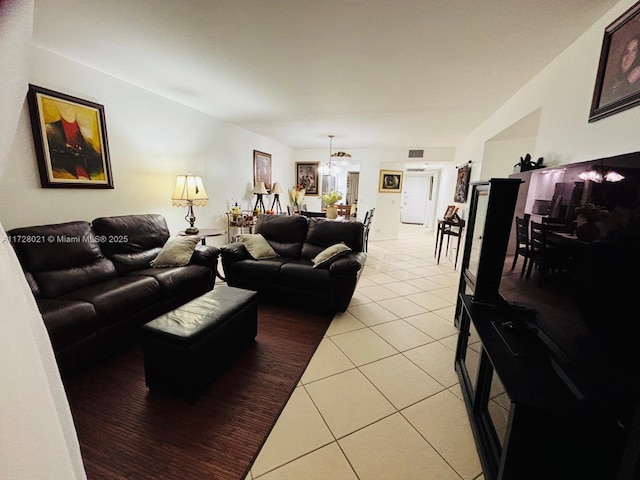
[(94, 285), (289, 278)]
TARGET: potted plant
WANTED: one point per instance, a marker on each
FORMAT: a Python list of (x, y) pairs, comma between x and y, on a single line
[(330, 199)]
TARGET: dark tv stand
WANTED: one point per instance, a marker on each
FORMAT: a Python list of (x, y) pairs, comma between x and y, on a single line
[(531, 416), (528, 421)]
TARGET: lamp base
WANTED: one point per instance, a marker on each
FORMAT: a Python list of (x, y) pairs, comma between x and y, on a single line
[(191, 230)]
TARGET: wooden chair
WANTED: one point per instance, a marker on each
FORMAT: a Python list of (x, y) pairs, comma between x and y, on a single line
[(522, 243), (344, 210), (547, 257), (368, 218)]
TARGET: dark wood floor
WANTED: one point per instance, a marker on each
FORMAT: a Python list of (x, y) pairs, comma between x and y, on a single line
[(125, 431)]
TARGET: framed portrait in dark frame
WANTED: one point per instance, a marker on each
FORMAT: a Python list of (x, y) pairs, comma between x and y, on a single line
[(462, 184), (262, 168), (307, 177), (617, 85), (70, 139)]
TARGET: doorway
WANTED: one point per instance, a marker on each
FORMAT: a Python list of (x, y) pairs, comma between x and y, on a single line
[(419, 199)]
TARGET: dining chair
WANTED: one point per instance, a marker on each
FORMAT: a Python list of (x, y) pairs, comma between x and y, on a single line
[(523, 248), (548, 258), (368, 218), (344, 210)]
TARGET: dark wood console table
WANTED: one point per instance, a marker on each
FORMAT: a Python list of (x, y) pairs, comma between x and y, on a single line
[(451, 228)]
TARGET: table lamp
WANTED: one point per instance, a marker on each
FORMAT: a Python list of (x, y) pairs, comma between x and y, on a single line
[(259, 189), (276, 190), (189, 191)]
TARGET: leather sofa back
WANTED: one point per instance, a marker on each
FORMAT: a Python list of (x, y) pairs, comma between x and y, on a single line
[(131, 241), (60, 258), (285, 233), (323, 233)]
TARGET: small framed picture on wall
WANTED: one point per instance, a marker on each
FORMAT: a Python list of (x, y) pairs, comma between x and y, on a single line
[(390, 181)]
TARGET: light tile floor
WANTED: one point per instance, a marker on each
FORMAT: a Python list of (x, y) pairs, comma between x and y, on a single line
[(380, 398)]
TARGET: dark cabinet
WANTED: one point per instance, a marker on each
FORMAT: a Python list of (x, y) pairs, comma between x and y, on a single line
[(530, 416)]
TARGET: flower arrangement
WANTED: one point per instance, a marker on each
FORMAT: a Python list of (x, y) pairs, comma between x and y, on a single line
[(591, 212), (296, 195), (331, 198)]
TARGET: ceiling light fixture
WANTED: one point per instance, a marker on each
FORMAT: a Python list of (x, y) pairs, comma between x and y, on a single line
[(330, 167), (599, 174)]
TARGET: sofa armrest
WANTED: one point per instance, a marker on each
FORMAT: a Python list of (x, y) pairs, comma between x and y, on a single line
[(206, 256), (349, 264), (234, 252)]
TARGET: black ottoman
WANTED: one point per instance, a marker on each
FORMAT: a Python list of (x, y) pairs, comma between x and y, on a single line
[(187, 347)]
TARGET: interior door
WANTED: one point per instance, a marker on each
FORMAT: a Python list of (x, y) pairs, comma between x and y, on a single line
[(414, 198)]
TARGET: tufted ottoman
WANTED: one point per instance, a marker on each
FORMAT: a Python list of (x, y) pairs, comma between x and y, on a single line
[(187, 347)]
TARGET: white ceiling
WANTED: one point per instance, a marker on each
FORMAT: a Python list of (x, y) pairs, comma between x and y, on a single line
[(375, 73)]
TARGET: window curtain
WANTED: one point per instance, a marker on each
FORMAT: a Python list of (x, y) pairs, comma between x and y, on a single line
[(37, 435), (353, 180)]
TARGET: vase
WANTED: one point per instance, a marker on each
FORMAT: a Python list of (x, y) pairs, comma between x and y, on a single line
[(332, 211)]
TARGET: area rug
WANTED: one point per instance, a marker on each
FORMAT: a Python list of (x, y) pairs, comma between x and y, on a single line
[(125, 431)]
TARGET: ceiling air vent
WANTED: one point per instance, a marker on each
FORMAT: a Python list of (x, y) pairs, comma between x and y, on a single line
[(416, 153)]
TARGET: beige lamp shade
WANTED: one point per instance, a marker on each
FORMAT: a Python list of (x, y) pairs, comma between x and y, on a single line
[(276, 188), (189, 190), (260, 189)]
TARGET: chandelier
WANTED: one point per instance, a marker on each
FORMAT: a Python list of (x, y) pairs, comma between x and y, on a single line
[(599, 174), (330, 167)]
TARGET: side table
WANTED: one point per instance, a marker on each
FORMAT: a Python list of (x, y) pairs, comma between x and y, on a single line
[(204, 233), (450, 228)]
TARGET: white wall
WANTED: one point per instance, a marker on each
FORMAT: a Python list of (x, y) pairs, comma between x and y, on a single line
[(371, 160), (563, 91), (151, 140), (37, 436)]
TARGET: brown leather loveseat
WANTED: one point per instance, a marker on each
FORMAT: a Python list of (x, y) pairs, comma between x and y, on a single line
[(94, 284), (288, 276)]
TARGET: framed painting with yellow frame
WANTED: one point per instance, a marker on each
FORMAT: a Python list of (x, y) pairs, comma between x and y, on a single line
[(390, 181)]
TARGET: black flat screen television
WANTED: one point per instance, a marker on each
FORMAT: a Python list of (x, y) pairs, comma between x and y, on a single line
[(587, 309)]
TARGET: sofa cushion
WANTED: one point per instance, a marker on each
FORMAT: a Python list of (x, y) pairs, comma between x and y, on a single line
[(329, 253), (118, 298), (323, 233), (251, 274), (68, 321), (55, 247), (257, 246), (299, 274), (285, 233), (131, 241), (178, 281), (176, 252), (59, 282)]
